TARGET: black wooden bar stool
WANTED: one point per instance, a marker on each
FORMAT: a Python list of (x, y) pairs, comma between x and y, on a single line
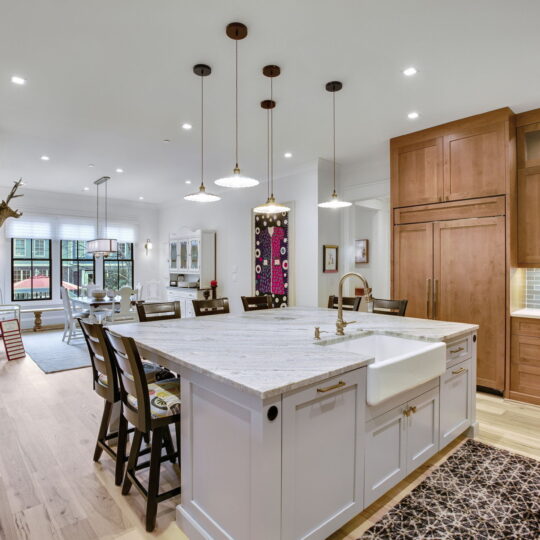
[(151, 409), (105, 381), (255, 303)]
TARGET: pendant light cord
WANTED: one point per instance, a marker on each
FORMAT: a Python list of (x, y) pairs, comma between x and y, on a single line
[(272, 137), (97, 212), (106, 204), (268, 151), (202, 130), (334, 133), (236, 94)]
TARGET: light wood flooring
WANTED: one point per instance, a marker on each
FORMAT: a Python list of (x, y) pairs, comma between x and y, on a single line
[(51, 489)]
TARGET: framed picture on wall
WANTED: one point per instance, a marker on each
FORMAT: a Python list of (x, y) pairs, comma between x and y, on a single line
[(330, 259), (361, 251)]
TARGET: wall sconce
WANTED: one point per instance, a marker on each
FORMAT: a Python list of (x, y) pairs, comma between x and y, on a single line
[(148, 245)]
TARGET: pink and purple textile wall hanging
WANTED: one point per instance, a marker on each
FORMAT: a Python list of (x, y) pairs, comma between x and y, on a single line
[(272, 257)]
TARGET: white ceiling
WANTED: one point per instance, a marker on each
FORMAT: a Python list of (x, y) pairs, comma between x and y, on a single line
[(109, 80)]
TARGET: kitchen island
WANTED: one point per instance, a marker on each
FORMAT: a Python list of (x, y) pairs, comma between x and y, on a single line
[(277, 438)]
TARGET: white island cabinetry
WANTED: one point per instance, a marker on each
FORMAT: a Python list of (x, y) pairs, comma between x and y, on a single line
[(278, 441)]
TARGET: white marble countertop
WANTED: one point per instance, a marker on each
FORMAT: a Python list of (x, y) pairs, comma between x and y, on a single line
[(530, 313), (270, 352)]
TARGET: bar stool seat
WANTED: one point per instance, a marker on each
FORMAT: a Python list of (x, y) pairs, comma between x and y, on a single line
[(164, 398), (152, 371)]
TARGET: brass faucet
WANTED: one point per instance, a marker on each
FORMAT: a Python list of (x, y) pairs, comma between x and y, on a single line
[(340, 323)]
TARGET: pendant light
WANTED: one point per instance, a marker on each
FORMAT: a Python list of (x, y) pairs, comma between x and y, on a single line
[(101, 247), (236, 31), (334, 202), (270, 206), (202, 196)]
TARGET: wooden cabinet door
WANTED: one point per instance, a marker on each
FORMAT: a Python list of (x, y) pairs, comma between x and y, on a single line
[(386, 452), (475, 162), (422, 429), (322, 456), (470, 274), (455, 402), (528, 216), (525, 368), (417, 173), (413, 267)]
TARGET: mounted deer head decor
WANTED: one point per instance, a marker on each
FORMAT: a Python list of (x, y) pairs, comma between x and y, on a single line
[(5, 210)]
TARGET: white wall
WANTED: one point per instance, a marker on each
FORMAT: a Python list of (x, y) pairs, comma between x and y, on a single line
[(232, 219), (59, 204)]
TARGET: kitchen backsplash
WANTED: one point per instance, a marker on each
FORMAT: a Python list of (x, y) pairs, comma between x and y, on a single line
[(532, 288)]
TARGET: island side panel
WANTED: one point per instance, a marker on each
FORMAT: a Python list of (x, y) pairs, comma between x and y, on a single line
[(231, 462)]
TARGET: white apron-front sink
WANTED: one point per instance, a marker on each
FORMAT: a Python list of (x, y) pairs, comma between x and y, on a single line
[(400, 364)]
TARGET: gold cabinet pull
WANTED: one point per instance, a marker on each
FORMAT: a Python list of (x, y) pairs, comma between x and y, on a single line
[(407, 412), (459, 349), (458, 371), (428, 299), (413, 410), (333, 387)]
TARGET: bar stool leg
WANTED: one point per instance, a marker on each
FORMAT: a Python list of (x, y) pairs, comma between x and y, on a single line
[(132, 461), (169, 446), (103, 428), (121, 450), (153, 481)]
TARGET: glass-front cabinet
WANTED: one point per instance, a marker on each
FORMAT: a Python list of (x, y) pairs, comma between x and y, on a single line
[(173, 256), (529, 146), (194, 250), (184, 255)]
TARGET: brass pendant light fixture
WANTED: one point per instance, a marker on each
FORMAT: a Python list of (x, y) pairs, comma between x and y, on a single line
[(202, 196), (270, 206), (334, 202), (236, 31)]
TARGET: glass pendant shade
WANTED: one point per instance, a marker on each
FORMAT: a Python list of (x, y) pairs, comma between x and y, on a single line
[(101, 247), (237, 180), (271, 207), (334, 202), (202, 196)]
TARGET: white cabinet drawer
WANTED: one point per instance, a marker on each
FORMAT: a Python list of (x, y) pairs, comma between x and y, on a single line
[(459, 350)]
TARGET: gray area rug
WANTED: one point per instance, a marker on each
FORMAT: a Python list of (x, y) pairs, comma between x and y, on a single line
[(51, 354), (479, 492)]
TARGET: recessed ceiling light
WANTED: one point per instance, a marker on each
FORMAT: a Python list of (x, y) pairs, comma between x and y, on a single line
[(18, 80), (45, 158), (119, 170), (413, 115), (141, 198), (410, 71), (287, 155), (91, 165), (85, 188), (166, 140), (186, 126), (188, 181)]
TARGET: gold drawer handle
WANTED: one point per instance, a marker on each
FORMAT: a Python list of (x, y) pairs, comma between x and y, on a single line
[(459, 349), (333, 387), (409, 410), (458, 371)]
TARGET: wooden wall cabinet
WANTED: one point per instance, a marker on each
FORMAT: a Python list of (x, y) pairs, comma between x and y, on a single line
[(461, 160)]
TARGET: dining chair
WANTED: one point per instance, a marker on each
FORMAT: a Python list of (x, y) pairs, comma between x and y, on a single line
[(215, 306), (138, 291), (255, 303), (390, 307), (71, 325), (151, 408), (105, 382), (122, 311), (158, 311), (350, 303)]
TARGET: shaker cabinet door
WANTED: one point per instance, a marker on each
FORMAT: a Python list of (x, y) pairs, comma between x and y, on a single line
[(322, 456), (456, 402), (413, 267), (470, 272), (475, 162), (418, 173), (422, 429), (528, 216), (386, 452)]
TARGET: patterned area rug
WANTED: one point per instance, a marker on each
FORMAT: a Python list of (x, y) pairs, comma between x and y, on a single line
[(479, 492), (52, 354)]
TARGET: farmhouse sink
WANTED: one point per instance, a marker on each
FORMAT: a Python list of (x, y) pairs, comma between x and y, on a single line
[(400, 364)]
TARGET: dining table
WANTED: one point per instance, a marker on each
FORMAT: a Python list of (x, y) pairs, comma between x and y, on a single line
[(95, 305)]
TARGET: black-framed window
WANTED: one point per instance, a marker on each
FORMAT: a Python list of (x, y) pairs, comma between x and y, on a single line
[(77, 268), (31, 269), (118, 268)]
